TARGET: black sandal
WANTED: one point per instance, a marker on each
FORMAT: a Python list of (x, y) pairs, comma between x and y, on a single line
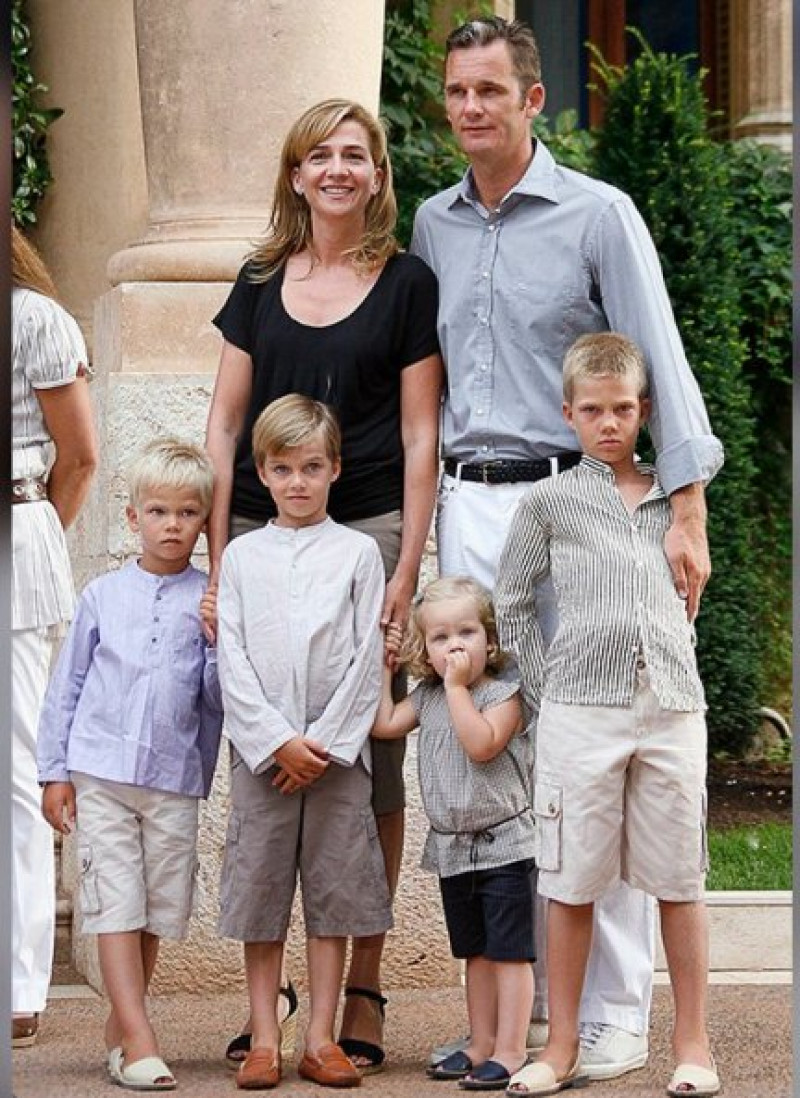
[(239, 1047), (351, 1046)]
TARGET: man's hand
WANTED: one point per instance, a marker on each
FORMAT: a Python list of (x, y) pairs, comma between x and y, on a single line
[(301, 762), (208, 612), (686, 546), (58, 806)]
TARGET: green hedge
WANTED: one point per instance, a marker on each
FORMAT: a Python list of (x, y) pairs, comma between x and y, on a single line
[(425, 157), (31, 172), (654, 144)]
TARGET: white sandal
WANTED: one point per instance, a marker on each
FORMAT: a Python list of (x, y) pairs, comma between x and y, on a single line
[(540, 1079), (694, 1081)]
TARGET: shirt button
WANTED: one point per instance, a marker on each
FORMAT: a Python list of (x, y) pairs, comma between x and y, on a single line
[(485, 449), (479, 411), (158, 598), (492, 228), (485, 274), (484, 366), (156, 618)]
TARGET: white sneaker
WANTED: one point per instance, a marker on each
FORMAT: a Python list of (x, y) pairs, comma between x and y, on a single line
[(607, 1051)]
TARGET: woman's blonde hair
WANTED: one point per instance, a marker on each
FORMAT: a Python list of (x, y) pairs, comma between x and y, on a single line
[(28, 270), (289, 230), (414, 655)]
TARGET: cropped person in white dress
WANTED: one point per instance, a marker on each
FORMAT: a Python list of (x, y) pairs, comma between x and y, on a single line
[(53, 461)]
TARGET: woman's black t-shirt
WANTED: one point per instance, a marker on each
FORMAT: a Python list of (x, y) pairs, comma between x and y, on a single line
[(353, 365)]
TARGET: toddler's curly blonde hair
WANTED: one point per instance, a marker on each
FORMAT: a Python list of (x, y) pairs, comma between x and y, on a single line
[(414, 655)]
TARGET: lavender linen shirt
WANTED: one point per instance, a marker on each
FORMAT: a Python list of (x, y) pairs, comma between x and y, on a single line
[(563, 255), (135, 697)]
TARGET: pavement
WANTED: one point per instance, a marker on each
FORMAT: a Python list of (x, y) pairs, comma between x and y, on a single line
[(750, 1025)]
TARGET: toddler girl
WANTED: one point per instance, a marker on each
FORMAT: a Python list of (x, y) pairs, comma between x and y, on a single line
[(475, 765)]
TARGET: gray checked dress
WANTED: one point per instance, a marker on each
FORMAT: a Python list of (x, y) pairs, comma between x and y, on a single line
[(479, 813)]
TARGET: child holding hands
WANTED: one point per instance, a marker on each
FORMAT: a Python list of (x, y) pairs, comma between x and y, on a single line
[(474, 772), (300, 663), (128, 741)]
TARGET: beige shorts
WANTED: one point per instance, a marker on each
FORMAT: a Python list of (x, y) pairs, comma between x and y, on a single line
[(388, 787), (326, 833), (137, 856), (620, 793)]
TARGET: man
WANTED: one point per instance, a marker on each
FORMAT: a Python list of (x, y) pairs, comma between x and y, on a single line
[(529, 256)]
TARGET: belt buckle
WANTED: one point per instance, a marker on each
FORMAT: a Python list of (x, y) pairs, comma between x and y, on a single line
[(29, 490), (486, 470)]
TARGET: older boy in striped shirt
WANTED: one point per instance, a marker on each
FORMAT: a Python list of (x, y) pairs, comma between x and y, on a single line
[(621, 737)]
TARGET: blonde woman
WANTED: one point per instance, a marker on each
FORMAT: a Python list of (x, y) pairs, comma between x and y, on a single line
[(328, 307), (53, 460)]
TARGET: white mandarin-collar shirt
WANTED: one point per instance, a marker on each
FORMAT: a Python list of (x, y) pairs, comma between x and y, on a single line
[(300, 645)]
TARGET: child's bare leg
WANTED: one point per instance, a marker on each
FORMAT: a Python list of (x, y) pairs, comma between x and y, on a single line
[(122, 965), (569, 940), (325, 971), (684, 930), (481, 1008), (262, 963), (149, 951), (283, 1006), (514, 1005)]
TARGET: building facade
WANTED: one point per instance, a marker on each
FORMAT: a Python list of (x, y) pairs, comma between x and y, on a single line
[(164, 163)]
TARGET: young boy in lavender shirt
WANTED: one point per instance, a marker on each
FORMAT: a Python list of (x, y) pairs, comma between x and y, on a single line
[(128, 742)]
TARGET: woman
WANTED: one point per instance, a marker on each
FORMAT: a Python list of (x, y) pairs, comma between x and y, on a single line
[(326, 306), (53, 460)]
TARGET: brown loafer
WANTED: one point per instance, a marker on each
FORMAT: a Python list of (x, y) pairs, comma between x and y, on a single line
[(24, 1031), (260, 1070), (330, 1068)]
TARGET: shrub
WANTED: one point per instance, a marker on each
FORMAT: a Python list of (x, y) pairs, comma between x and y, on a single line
[(654, 144), (761, 218), (29, 122), (425, 157)]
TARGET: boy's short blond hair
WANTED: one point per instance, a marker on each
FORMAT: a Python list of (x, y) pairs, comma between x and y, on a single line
[(414, 655), (289, 421), (171, 463), (604, 354)]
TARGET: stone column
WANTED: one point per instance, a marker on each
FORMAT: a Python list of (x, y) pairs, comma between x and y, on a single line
[(761, 71), (220, 83)]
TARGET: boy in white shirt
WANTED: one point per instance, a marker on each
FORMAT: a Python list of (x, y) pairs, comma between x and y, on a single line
[(300, 652), (621, 737)]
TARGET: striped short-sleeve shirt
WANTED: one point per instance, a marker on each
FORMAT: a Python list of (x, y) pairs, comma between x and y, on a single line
[(479, 813), (47, 352), (616, 596)]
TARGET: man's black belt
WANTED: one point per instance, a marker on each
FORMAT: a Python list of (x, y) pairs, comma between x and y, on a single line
[(510, 472)]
